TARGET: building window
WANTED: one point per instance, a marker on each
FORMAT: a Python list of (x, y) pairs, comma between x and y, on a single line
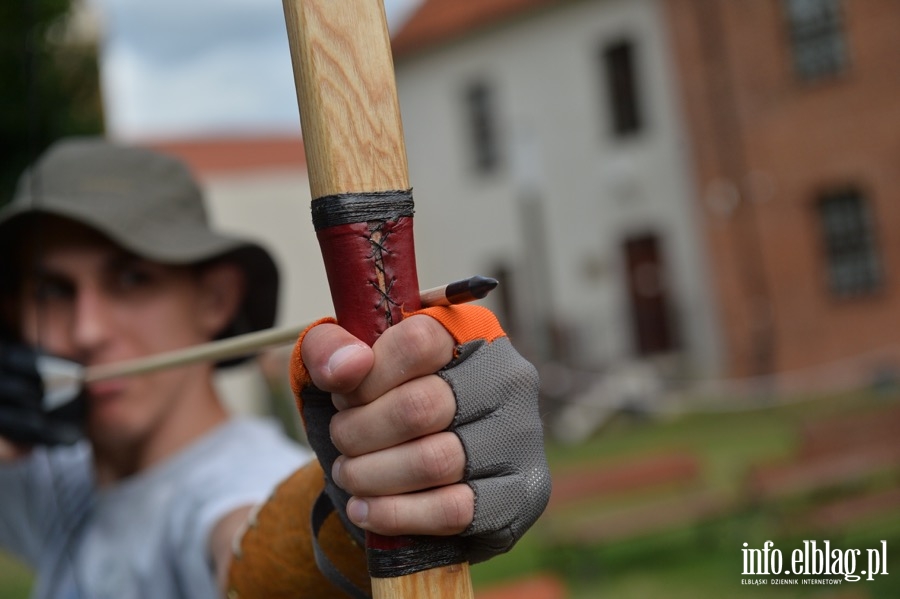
[(479, 99), (621, 84), (850, 250), (817, 37)]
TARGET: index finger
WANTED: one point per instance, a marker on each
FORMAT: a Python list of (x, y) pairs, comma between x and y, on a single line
[(417, 346)]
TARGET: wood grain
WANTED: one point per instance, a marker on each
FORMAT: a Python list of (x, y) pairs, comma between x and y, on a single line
[(449, 581), (340, 65)]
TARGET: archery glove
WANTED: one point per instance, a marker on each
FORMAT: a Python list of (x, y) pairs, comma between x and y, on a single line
[(29, 415), (497, 421)]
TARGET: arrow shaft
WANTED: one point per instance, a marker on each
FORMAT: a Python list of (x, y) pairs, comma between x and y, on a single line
[(458, 292), (208, 352)]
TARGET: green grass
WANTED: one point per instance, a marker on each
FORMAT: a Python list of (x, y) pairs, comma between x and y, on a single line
[(15, 579), (705, 561)]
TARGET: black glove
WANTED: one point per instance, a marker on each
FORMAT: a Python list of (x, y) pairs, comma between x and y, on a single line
[(24, 417)]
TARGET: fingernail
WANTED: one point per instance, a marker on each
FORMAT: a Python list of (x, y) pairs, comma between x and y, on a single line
[(342, 355), (358, 511), (336, 472)]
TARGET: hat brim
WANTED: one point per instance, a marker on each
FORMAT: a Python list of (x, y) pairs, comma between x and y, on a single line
[(174, 245)]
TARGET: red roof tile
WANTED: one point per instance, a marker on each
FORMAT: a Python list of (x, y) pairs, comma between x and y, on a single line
[(441, 21), (237, 154)]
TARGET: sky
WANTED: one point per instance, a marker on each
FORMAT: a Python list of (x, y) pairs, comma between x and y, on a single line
[(188, 68)]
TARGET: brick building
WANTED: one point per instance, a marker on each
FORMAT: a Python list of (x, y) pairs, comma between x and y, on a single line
[(792, 111)]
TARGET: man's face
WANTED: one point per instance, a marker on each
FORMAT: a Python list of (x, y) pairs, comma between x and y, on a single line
[(90, 301)]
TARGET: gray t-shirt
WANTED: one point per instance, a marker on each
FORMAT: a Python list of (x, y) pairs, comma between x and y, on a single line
[(146, 537)]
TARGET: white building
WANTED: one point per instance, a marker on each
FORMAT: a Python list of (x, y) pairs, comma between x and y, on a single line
[(544, 142)]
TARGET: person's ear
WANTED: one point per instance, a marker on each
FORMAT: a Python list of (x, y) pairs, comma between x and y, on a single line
[(222, 288)]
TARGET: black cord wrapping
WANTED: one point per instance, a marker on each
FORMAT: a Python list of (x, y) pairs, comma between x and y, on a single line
[(352, 208), (425, 553)]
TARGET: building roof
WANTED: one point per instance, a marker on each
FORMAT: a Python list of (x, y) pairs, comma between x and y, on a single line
[(440, 21), (234, 155)]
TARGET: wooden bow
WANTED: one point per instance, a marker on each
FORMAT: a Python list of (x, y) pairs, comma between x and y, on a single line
[(343, 70)]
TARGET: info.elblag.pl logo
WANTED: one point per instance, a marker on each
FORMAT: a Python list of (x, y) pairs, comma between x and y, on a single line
[(814, 563)]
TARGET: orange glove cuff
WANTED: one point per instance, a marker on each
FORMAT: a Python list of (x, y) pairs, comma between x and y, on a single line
[(299, 375), (466, 322)]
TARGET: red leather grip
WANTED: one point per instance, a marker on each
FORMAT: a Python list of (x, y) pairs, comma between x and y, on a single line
[(371, 270)]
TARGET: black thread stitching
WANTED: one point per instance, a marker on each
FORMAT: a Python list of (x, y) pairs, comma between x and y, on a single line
[(378, 236)]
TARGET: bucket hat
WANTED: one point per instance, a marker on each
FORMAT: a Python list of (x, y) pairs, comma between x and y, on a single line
[(144, 201)]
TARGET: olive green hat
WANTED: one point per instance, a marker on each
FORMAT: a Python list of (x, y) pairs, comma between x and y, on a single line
[(146, 202)]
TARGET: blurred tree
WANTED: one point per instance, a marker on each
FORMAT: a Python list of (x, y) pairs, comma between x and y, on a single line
[(49, 82)]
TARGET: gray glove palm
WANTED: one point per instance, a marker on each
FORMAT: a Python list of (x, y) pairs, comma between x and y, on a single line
[(499, 425)]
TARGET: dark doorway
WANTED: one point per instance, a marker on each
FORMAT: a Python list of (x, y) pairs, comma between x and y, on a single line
[(650, 307)]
